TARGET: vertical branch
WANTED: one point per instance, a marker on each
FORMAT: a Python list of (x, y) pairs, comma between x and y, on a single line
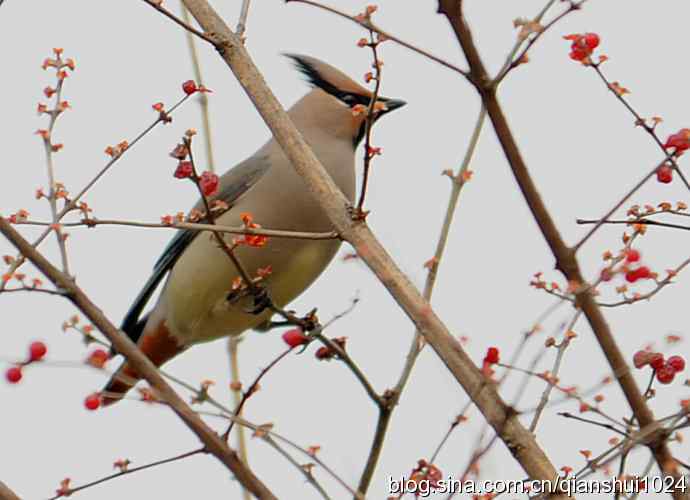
[(242, 22), (553, 378), (386, 409), (202, 97), (233, 352), (458, 183), (369, 123), (49, 148)]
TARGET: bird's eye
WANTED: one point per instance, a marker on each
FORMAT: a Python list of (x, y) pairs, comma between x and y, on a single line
[(349, 99)]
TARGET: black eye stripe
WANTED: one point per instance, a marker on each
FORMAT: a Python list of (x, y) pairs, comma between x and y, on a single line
[(353, 99)]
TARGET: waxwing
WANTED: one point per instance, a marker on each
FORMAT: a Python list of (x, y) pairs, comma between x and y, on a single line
[(197, 303)]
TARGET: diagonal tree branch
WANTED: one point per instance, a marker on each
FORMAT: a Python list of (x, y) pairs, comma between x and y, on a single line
[(502, 418), (5, 492), (212, 442), (566, 261)]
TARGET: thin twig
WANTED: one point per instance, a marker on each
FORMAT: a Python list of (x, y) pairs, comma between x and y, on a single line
[(512, 61), (662, 284), (369, 123), (235, 384), (456, 422), (242, 22), (305, 471), (253, 388), (615, 208), (359, 374), (48, 148), (92, 222), (594, 422), (366, 23), (128, 471), (202, 98), (632, 222), (554, 372), (179, 21), (640, 121), (33, 289)]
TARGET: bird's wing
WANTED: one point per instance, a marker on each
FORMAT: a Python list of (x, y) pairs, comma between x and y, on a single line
[(233, 185)]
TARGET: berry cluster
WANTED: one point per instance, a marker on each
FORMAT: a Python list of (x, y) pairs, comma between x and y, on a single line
[(37, 350), (630, 267), (665, 369), (582, 46), (208, 182)]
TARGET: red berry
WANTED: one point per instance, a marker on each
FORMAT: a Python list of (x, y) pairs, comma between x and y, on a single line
[(643, 272), (680, 141), (37, 350), (209, 183), (324, 352), (98, 358), (13, 374), (591, 40), (578, 54), (664, 174), (641, 358), (92, 401), (632, 255), (184, 170), (631, 276), (189, 87), (295, 337), (656, 360), (677, 363), (665, 374), (492, 355)]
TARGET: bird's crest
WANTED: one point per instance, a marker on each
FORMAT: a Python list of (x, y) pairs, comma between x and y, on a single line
[(330, 80)]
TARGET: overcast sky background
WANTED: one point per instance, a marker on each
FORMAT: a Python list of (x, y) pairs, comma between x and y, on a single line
[(580, 145)]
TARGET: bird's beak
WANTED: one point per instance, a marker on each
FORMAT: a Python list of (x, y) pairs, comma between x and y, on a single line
[(392, 104)]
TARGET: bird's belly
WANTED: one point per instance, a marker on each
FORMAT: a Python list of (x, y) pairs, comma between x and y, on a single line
[(198, 290)]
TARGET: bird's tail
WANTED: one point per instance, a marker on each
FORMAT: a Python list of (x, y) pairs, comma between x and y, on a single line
[(159, 346)]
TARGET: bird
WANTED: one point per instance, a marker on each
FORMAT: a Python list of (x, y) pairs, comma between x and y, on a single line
[(197, 302)]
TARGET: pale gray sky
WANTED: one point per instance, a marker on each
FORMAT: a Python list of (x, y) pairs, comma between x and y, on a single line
[(580, 145)]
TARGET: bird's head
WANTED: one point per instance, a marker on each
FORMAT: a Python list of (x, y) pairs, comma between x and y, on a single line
[(337, 103)]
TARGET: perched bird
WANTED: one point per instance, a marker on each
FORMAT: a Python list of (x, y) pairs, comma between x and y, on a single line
[(198, 303)]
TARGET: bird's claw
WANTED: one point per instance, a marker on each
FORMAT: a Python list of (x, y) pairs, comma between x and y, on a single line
[(262, 301)]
